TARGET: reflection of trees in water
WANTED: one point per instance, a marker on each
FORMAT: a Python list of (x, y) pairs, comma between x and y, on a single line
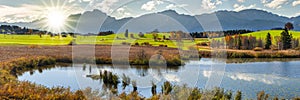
[(90, 69), (284, 71), (83, 67), (33, 70), (142, 70)]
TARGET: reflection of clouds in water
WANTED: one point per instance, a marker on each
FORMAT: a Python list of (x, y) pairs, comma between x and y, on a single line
[(267, 79), (171, 77), (242, 77), (206, 73)]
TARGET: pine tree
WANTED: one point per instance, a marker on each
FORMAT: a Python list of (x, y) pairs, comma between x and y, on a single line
[(268, 41), (126, 33), (286, 39)]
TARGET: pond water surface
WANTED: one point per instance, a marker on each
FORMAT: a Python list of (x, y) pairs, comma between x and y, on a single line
[(277, 78)]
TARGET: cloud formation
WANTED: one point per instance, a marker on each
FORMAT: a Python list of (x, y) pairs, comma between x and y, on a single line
[(209, 4), (238, 7), (106, 5), (20, 14), (295, 3), (275, 4), (151, 5), (172, 6), (241, 1), (123, 13)]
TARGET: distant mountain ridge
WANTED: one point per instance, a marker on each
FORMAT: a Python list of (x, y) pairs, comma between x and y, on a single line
[(170, 20)]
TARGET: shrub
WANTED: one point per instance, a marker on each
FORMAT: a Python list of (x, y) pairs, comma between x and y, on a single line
[(125, 43), (262, 96), (27, 90), (73, 42), (195, 95), (153, 89), (166, 88), (136, 44), (238, 95), (202, 44), (161, 45), (146, 43), (141, 34)]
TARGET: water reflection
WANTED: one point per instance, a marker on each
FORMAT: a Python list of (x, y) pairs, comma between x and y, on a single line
[(276, 78)]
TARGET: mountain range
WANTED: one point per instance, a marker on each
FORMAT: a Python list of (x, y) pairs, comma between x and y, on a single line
[(169, 20)]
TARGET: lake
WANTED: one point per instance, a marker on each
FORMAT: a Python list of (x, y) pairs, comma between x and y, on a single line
[(277, 78)]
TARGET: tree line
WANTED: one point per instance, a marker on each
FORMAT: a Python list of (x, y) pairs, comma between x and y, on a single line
[(240, 42), (218, 33)]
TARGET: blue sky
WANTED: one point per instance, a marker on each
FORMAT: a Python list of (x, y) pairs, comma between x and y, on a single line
[(29, 10)]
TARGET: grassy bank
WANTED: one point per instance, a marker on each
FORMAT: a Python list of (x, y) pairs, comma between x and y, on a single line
[(11, 88)]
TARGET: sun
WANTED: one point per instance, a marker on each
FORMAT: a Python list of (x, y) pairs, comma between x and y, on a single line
[(56, 19)]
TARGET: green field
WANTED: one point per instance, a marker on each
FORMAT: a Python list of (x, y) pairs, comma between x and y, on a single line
[(263, 34), (114, 39), (118, 39), (33, 40)]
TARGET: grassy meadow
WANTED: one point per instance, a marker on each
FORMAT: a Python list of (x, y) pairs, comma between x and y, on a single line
[(120, 39), (114, 39)]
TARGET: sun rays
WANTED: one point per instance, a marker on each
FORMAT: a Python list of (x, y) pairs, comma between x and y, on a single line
[(55, 16)]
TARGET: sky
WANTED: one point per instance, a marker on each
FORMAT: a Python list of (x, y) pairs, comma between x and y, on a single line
[(29, 10)]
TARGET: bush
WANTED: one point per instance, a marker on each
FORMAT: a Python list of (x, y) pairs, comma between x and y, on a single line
[(161, 45), (125, 43), (29, 91), (136, 44), (73, 42), (232, 54), (202, 44), (166, 88), (238, 95)]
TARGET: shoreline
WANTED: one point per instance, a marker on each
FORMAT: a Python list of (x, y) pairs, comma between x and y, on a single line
[(22, 62)]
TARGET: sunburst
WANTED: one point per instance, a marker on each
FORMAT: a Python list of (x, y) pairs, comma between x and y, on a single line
[(55, 16)]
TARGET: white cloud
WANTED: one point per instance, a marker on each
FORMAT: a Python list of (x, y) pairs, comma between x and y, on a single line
[(264, 1), (172, 6), (20, 14), (267, 79), (241, 1), (206, 73), (295, 3), (122, 11), (238, 7), (275, 4), (209, 4), (70, 1), (151, 5), (106, 5), (86, 0)]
